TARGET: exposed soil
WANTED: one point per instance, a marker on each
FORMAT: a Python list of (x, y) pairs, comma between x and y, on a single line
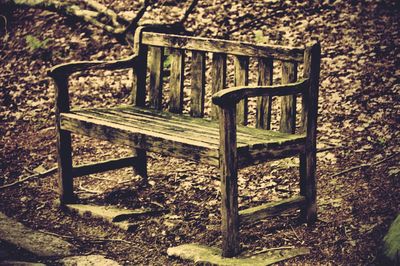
[(359, 118)]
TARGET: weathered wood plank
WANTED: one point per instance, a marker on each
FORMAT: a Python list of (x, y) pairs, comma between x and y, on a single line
[(103, 166), (241, 65), (288, 103), (235, 94), (254, 145), (176, 80), (64, 148), (308, 160), (270, 209), (138, 138), (229, 188), (155, 57), (264, 104), (186, 127), (154, 126), (203, 124), (251, 156), (223, 46), (198, 72), (138, 92), (218, 78)]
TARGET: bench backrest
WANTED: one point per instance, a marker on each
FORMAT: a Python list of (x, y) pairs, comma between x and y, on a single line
[(150, 47)]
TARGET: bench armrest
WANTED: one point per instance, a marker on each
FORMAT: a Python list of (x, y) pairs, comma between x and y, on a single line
[(234, 95), (65, 70)]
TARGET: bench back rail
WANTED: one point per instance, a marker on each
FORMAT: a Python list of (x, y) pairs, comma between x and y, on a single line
[(150, 47)]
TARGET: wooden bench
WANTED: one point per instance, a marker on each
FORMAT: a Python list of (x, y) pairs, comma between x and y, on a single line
[(223, 139)]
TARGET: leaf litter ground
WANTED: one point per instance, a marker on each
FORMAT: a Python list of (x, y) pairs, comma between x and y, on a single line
[(359, 116)]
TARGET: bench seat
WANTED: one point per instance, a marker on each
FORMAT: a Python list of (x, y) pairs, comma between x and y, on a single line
[(179, 135)]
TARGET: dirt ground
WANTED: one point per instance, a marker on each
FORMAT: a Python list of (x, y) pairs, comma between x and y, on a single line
[(358, 119)]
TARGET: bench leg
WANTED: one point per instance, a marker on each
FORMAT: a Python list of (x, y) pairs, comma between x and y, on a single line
[(229, 213), (308, 189), (64, 158), (229, 186), (140, 165)]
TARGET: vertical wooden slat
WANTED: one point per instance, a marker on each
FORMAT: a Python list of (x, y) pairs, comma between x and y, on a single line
[(156, 55), (264, 104), (198, 72), (138, 93), (288, 103), (138, 98), (176, 80), (218, 78), (64, 148), (241, 79), (308, 159), (229, 187)]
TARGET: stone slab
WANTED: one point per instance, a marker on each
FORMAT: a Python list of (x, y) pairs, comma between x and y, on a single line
[(88, 261), (201, 254), (111, 214), (391, 247), (38, 243)]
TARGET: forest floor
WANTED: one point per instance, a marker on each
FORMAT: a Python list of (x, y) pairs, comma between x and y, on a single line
[(359, 108)]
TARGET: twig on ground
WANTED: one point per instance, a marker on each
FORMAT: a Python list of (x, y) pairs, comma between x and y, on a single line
[(88, 239), (89, 190), (38, 175), (366, 165), (104, 178), (297, 236), (270, 249)]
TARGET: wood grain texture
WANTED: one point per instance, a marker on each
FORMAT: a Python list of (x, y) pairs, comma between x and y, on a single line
[(288, 103), (223, 46), (176, 80), (235, 94), (261, 212), (139, 165), (67, 69), (218, 78), (138, 92), (100, 167), (229, 187), (264, 104), (241, 65), (167, 129), (155, 58), (198, 75), (308, 160), (64, 148)]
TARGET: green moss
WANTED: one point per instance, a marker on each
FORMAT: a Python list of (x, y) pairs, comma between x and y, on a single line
[(392, 242)]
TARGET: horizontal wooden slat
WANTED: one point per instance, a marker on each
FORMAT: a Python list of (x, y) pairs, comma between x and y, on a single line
[(99, 167), (178, 135), (119, 134), (270, 209), (268, 152), (223, 46), (183, 123), (235, 94)]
